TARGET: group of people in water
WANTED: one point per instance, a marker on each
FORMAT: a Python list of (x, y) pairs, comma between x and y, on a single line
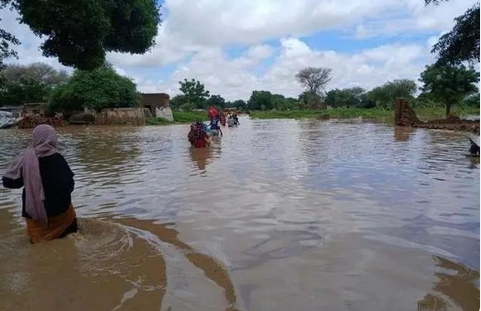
[(200, 134)]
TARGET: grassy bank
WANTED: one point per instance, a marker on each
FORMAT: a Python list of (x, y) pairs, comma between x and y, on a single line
[(179, 117), (427, 113)]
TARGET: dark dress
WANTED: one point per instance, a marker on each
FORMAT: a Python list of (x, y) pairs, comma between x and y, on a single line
[(58, 184)]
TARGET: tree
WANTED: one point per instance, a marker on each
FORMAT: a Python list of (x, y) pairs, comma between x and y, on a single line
[(96, 89), (462, 42), (40, 72), (79, 33), (194, 92), (314, 79), (25, 90), (385, 95), (449, 84), (472, 100), (215, 101), (7, 40), (239, 105), (348, 98), (31, 83), (260, 100)]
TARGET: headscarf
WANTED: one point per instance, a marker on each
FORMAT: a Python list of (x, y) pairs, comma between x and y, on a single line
[(44, 144), (196, 131)]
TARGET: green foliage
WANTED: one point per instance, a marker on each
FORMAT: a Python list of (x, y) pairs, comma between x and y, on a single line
[(23, 91), (471, 100), (260, 100), (449, 84), (237, 104), (97, 89), (425, 113), (194, 93), (189, 116), (385, 95), (29, 84), (215, 101), (462, 42), (352, 97), (7, 40), (80, 33)]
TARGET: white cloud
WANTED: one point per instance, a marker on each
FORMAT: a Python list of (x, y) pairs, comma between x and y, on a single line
[(195, 34)]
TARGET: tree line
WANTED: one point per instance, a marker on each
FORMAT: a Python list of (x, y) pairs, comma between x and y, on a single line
[(94, 89), (442, 85)]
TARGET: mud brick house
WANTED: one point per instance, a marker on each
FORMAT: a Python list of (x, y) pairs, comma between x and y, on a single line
[(158, 105)]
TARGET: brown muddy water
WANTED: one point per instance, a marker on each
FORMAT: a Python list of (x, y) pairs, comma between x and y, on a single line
[(278, 215)]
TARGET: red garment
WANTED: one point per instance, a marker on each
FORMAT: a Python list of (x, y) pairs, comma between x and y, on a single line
[(212, 112), (200, 143)]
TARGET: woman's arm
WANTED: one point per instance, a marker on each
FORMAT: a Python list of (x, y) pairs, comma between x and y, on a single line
[(12, 183)]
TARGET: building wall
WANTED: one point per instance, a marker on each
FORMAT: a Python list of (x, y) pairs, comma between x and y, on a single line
[(128, 116), (164, 112)]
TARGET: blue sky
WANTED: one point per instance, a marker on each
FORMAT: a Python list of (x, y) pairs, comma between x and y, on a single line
[(365, 43)]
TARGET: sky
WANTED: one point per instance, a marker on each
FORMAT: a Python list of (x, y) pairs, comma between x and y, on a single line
[(235, 47)]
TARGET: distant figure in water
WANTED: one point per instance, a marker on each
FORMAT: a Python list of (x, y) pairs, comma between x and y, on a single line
[(230, 121), (223, 119), (215, 127), (197, 136), (236, 119), (474, 150), (47, 183)]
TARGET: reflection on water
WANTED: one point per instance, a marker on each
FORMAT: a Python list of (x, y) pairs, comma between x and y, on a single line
[(458, 285), (277, 215)]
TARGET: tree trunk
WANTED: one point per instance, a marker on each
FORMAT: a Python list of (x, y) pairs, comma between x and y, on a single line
[(448, 109)]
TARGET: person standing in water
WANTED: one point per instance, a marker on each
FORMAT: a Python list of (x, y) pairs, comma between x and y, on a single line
[(215, 127), (47, 182), (197, 136)]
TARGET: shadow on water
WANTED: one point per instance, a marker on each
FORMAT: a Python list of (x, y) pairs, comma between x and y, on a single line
[(457, 284), (129, 261)]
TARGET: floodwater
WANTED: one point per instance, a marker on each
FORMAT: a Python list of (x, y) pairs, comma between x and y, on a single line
[(278, 215)]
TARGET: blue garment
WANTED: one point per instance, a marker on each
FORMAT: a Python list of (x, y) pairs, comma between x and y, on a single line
[(214, 124), (206, 128)]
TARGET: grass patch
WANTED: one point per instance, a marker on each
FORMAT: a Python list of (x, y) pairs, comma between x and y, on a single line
[(189, 116), (430, 113), (179, 118)]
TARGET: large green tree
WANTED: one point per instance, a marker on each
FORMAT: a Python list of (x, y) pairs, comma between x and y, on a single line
[(351, 97), (462, 42), (449, 84), (215, 101), (385, 95), (29, 83), (80, 33), (260, 100), (96, 89), (194, 93)]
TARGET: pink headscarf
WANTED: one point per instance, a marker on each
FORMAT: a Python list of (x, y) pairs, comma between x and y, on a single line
[(44, 143)]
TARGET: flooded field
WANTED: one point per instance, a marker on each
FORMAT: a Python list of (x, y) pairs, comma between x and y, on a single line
[(278, 215)]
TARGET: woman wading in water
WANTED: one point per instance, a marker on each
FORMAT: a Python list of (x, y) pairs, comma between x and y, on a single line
[(48, 183)]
